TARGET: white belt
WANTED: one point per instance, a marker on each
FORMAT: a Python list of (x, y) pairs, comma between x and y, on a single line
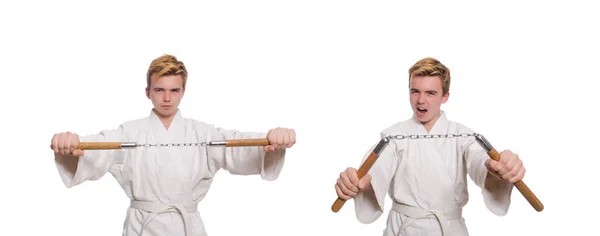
[(415, 213), (159, 208)]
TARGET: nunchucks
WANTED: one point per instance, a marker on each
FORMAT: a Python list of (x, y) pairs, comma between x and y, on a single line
[(364, 169), (127, 145), (494, 155)]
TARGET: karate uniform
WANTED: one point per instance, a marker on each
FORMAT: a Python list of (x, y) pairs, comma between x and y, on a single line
[(427, 181), (165, 184)]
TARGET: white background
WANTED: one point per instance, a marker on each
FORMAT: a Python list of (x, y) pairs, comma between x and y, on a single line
[(524, 74)]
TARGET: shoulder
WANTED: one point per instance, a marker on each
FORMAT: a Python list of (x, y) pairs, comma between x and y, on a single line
[(135, 124), (459, 127), (396, 128), (200, 127)]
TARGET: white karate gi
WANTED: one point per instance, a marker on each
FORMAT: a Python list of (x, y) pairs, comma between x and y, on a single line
[(165, 184), (427, 178)]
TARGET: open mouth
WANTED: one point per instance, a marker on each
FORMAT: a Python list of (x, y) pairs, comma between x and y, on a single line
[(421, 111)]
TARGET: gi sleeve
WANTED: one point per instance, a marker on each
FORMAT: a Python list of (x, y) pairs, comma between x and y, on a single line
[(252, 160), (369, 204), (496, 192), (94, 164)]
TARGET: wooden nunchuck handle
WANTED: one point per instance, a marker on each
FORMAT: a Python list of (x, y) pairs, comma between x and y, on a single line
[(363, 170), (98, 145), (247, 142), (521, 186)]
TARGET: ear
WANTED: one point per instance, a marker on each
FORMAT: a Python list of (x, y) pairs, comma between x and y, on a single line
[(148, 92), (445, 97)]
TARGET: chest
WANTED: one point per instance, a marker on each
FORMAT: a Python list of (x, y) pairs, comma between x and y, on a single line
[(431, 159), (169, 154)]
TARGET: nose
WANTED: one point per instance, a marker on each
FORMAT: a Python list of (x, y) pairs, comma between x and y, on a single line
[(421, 98), (167, 96)]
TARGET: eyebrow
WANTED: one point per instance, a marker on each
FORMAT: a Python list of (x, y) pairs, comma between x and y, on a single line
[(159, 88), (428, 91)]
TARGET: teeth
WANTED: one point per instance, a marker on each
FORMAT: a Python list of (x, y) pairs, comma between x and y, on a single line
[(420, 108)]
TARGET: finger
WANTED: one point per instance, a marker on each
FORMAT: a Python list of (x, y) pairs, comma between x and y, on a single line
[(347, 183), (73, 143), (345, 189), (340, 193), (505, 158), (491, 165), (512, 161), (273, 139), (507, 176), (280, 137), (518, 177), (286, 138), (270, 137), (518, 165), (364, 182), (513, 167), (514, 171), (494, 165), (64, 144), (68, 140), (506, 154), (510, 173), (78, 152), (269, 148), (498, 166), (488, 164), (495, 174), (293, 137), (352, 176), (54, 143)]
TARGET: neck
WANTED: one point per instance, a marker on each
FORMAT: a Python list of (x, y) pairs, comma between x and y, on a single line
[(428, 125), (165, 120)]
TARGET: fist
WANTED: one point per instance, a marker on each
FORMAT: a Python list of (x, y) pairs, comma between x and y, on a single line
[(66, 144), (348, 185), (280, 138), (509, 167)]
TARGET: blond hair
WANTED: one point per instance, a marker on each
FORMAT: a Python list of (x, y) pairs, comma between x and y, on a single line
[(166, 65), (431, 67)]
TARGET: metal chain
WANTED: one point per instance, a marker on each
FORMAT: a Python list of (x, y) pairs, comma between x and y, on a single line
[(431, 136), (172, 145)]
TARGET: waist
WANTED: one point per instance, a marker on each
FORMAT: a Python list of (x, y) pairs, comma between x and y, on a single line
[(157, 207), (420, 213)]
